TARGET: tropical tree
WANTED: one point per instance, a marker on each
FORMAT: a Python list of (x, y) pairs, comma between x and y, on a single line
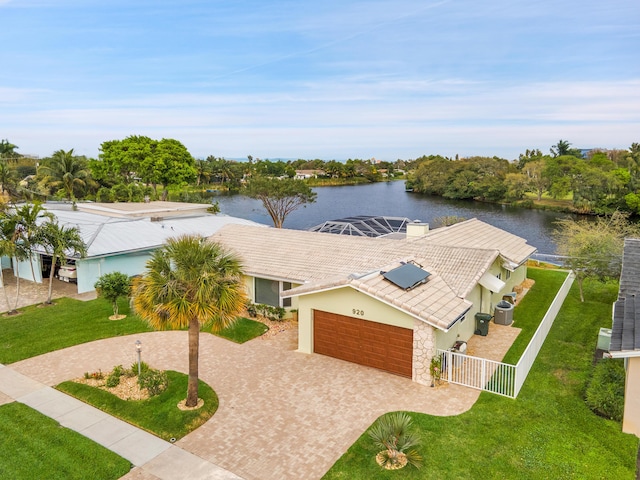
[(7, 175), (7, 245), (280, 197), (593, 249), (28, 220), (191, 282), (112, 286), (66, 171), (170, 164), (8, 150), (59, 242), (564, 148)]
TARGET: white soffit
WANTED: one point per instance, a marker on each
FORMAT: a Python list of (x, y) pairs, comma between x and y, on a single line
[(491, 282)]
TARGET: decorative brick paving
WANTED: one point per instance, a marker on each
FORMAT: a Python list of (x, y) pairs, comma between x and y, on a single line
[(282, 415)]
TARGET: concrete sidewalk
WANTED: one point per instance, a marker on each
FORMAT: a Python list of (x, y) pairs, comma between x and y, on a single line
[(155, 457)]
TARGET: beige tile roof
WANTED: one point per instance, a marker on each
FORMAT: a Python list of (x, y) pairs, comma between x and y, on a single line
[(321, 261), (434, 302), (477, 234)]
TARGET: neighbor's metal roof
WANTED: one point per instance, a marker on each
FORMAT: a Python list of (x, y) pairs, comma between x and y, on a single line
[(111, 235)]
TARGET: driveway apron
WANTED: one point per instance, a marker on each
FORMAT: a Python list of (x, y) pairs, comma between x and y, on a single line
[(282, 414)]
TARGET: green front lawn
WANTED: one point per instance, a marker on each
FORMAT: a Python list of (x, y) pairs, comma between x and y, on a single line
[(547, 432), (42, 329), (243, 330), (158, 415), (33, 446)]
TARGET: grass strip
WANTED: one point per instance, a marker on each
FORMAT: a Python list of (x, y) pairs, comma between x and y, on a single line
[(159, 415), (243, 330), (35, 446), (547, 432), (531, 309)]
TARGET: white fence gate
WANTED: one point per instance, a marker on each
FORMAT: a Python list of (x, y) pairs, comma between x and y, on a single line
[(497, 377)]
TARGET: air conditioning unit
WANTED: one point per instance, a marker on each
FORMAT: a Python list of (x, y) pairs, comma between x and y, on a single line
[(604, 339)]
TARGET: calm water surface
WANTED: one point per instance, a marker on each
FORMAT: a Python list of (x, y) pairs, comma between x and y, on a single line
[(390, 199)]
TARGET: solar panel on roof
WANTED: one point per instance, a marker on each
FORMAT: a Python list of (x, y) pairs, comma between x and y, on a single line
[(407, 276)]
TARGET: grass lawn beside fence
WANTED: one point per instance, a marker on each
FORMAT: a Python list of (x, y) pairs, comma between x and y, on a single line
[(160, 414), (531, 309), (547, 432), (34, 446)]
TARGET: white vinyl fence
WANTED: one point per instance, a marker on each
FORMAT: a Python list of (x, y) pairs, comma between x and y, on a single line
[(496, 377)]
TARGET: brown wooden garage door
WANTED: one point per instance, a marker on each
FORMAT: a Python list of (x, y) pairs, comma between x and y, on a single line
[(360, 341)]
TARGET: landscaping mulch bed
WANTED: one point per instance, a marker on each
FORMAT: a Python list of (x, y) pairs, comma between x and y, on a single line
[(127, 389), (275, 328)]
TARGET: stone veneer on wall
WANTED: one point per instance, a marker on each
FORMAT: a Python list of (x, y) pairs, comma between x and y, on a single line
[(424, 348)]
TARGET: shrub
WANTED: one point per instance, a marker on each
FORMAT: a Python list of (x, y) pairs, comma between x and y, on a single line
[(605, 390), (144, 367), (112, 286), (112, 380), (120, 192), (393, 433), (272, 313), (154, 381), (104, 195), (136, 194), (95, 375)]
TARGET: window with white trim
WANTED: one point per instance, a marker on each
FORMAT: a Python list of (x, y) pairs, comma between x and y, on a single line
[(268, 291)]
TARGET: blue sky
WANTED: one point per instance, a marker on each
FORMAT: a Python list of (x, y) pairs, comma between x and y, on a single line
[(331, 79)]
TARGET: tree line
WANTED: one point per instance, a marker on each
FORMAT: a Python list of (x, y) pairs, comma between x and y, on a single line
[(597, 182), (138, 166)]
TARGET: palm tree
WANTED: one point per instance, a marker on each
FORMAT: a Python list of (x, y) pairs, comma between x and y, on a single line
[(28, 226), (7, 246), (190, 283), (8, 150), (7, 175), (67, 171), (60, 241)]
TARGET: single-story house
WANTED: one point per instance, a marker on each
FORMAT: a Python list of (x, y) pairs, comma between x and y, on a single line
[(305, 174), (122, 236), (625, 333), (381, 302)]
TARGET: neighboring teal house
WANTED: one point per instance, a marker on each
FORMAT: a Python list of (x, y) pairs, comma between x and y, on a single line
[(121, 236)]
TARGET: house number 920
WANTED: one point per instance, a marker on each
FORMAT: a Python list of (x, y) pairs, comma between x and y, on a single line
[(357, 311)]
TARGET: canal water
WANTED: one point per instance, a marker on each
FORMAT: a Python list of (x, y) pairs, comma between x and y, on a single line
[(391, 199)]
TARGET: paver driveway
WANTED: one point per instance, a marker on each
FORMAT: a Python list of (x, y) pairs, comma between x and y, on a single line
[(282, 415)]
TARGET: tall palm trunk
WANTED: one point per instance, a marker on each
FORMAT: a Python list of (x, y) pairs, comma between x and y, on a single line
[(194, 346), (6, 295), (53, 269), (15, 307)]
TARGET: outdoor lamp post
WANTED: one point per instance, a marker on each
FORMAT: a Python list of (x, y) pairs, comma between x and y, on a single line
[(139, 350)]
